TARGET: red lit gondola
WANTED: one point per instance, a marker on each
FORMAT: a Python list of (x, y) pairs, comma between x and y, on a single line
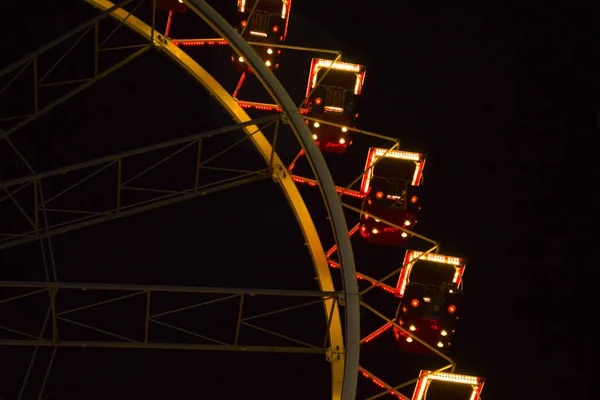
[(430, 286), (332, 93), (392, 188), (267, 25)]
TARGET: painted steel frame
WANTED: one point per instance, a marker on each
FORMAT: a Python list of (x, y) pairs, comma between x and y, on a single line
[(239, 294), (122, 184)]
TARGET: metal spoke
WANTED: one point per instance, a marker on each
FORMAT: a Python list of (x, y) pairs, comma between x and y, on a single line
[(39, 342), (18, 332), (47, 374)]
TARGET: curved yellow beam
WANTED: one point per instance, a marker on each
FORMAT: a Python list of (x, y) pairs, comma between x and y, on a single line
[(280, 174)]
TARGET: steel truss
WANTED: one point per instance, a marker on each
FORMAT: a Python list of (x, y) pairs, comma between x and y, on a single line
[(9, 124), (122, 181), (238, 297), (40, 229), (57, 319)]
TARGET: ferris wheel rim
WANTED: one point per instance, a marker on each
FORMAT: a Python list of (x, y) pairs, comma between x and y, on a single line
[(344, 367)]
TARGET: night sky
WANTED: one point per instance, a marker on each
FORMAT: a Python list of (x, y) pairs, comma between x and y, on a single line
[(502, 99)]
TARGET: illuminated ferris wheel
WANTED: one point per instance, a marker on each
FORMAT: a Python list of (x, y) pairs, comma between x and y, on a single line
[(416, 302)]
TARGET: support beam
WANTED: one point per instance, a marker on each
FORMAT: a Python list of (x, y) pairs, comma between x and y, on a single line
[(162, 346), (150, 320), (161, 288), (112, 215), (136, 152)]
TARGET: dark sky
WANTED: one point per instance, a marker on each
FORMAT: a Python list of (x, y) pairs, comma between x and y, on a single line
[(502, 99)]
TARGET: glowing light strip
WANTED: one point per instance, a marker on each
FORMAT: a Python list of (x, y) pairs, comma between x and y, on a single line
[(383, 385), (454, 378), (198, 42), (341, 190), (362, 277), (436, 258), (288, 4), (364, 186), (264, 106), (420, 389), (404, 274), (427, 376), (405, 155), (341, 66), (351, 232), (377, 332), (334, 109), (284, 9), (261, 34)]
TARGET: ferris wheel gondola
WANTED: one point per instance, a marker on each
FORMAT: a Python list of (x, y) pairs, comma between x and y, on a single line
[(265, 24), (430, 288), (332, 94), (392, 186)]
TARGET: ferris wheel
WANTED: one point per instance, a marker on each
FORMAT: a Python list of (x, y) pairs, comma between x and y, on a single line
[(416, 302)]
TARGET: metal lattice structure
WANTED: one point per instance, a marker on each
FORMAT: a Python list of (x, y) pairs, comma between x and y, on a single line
[(42, 219)]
